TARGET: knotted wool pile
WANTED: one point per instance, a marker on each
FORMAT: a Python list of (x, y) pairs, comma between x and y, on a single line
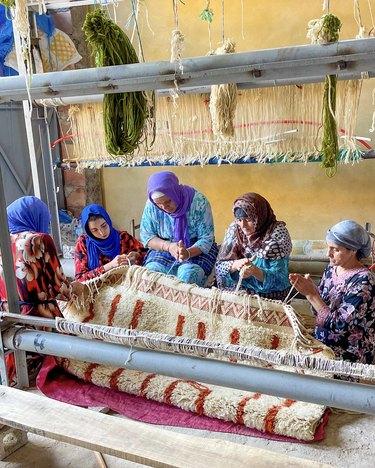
[(138, 299)]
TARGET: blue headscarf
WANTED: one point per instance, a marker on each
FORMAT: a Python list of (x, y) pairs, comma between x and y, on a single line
[(109, 247), (351, 235), (28, 214)]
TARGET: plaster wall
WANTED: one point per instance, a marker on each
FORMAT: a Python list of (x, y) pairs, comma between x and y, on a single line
[(302, 195)]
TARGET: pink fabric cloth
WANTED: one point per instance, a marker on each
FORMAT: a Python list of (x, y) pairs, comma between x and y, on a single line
[(55, 383)]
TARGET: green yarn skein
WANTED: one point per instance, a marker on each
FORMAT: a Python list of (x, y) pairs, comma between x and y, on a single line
[(124, 114), (330, 144)]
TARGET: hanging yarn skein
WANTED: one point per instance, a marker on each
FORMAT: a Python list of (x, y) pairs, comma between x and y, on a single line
[(323, 31), (124, 114), (177, 39), (223, 101)]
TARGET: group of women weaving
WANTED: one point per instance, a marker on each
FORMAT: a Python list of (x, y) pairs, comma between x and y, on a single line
[(177, 234)]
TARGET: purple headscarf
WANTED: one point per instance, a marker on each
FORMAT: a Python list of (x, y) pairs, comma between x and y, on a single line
[(182, 195)]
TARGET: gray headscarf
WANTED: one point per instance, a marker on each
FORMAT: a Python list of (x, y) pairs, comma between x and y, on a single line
[(351, 235)]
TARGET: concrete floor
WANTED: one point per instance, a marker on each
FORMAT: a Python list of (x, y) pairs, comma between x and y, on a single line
[(349, 442)]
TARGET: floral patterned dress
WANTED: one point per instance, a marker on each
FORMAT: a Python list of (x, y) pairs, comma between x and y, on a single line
[(128, 244), (40, 278), (349, 328)]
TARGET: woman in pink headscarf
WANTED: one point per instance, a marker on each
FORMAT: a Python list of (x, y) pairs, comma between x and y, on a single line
[(177, 228)]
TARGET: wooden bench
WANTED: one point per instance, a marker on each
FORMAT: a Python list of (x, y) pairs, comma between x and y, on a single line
[(130, 440)]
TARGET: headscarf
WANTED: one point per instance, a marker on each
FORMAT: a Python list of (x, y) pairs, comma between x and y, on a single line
[(270, 239), (260, 213), (351, 235), (109, 247), (28, 214), (182, 195)]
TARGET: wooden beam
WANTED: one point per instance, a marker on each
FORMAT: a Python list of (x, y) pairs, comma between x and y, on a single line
[(130, 440)]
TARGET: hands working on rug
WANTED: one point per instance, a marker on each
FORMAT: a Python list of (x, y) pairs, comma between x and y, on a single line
[(39, 276), (256, 241), (102, 248), (177, 228)]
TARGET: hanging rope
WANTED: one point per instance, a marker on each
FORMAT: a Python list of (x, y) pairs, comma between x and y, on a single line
[(177, 39), (357, 16), (222, 21), (207, 15), (123, 113)]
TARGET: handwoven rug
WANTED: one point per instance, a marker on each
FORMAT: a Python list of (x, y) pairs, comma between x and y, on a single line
[(135, 298), (55, 383)]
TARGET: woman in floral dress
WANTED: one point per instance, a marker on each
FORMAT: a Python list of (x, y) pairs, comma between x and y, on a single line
[(39, 276), (344, 302)]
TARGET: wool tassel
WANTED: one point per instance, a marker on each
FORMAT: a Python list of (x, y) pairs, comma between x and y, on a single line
[(223, 101)]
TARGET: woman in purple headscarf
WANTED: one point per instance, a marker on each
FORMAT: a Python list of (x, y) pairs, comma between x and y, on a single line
[(177, 226)]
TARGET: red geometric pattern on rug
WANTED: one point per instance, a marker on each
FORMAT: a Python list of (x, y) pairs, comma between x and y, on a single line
[(164, 305), (199, 302)]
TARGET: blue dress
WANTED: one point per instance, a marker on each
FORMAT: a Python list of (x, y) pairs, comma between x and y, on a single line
[(157, 223)]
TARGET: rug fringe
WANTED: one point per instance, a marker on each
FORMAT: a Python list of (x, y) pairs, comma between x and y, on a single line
[(203, 348)]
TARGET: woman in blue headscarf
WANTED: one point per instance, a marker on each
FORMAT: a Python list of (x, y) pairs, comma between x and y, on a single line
[(102, 247), (344, 302), (40, 279), (39, 276), (177, 226)]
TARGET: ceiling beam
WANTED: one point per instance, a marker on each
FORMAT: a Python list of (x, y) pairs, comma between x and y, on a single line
[(262, 68)]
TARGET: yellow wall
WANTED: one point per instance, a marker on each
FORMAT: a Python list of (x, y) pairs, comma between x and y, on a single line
[(301, 195)]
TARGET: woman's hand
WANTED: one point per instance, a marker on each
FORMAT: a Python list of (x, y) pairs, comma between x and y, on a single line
[(133, 257), (119, 260), (80, 290), (248, 268), (173, 249), (304, 284), (183, 253), (237, 265)]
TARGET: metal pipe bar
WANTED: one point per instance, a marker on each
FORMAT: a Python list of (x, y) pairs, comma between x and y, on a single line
[(214, 161), (91, 98), (254, 67), (45, 143), (12, 293), (334, 393), (27, 320)]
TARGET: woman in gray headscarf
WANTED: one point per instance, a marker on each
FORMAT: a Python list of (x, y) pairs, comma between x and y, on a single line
[(344, 302)]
